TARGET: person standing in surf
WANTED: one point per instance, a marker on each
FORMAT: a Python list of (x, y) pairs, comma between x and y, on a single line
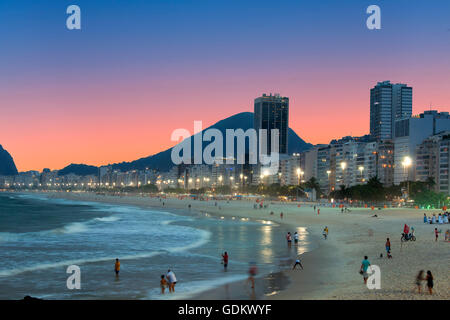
[(289, 239), (296, 237), (163, 284), (252, 272), (172, 280), (225, 260), (117, 267)]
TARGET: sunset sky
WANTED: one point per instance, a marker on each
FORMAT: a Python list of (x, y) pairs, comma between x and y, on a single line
[(115, 90)]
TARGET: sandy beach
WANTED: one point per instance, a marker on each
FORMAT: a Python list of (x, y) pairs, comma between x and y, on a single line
[(332, 270)]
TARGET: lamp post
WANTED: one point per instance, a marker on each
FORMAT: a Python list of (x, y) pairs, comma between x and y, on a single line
[(242, 182), (343, 166), (329, 184), (299, 175), (361, 169), (407, 161)]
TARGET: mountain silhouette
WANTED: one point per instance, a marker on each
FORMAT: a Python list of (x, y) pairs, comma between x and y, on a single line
[(7, 165), (244, 120), (78, 169)]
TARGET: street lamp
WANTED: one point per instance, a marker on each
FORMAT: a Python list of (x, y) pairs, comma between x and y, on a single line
[(328, 176), (407, 161), (343, 166), (361, 169)]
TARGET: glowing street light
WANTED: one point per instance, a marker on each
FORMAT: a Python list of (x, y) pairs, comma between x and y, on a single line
[(343, 166), (361, 169), (407, 162), (299, 175)]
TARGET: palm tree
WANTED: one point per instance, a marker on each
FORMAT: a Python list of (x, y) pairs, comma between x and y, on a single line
[(430, 183), (312, 183)]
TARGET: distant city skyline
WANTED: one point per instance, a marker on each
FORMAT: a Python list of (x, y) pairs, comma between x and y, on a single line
[(115, 90)]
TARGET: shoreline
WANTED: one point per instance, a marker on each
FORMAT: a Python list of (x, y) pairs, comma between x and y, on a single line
[(331, 268), (265, 280)]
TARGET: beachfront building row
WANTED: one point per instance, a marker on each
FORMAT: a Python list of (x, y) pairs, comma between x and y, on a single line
[(432, 161), (348, 161), (354, 160), (411, 132)]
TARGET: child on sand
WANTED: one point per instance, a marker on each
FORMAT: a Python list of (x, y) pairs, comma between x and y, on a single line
[(419, 279), (430, 283)]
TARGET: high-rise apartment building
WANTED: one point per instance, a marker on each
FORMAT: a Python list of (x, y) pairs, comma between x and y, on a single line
[(272, 112), (388, 102)]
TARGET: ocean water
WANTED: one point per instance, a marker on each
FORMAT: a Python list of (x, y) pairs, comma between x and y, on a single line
[(40, 237)]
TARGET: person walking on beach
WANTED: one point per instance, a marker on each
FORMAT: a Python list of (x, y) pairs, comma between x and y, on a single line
[(163, 284), (172, 280), (297, 262), (325, 232), (252, 271), (388, 248), (225, 260), (419, 279), (430, 283), (281, 215), (289, 239), (117, 267), (365, 264), (318, 211), (436, 233), (296, 237)]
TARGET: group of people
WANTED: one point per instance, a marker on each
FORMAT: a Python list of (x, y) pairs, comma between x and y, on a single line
[(439, 219), (281, 214), (289, 242), (428, 278), (167, 281), (289, 238), (365, 264)]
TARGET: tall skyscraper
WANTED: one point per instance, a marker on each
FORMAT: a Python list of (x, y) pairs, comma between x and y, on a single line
[(272, 112), (388, 102)]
